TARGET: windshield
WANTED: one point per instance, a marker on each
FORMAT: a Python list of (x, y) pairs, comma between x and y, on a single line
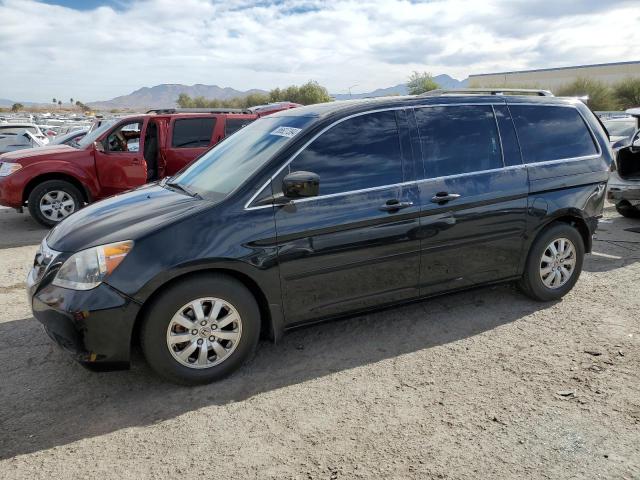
[(14, 130), (227, 165), (621, 129), (92, 136)]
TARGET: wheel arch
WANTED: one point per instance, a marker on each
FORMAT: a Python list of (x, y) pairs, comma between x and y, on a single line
[(270, 325), (35, 181)]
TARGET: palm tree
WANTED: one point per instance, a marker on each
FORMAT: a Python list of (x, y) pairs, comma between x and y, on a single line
[(71, 101), (54, 100), (60, 103)]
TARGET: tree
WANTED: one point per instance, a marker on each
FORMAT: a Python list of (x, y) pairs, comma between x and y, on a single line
[(71, 101), (307, 94), (60, 103), (420, 83), (54, 100), (627, 93), (600, 95), (16, 107)]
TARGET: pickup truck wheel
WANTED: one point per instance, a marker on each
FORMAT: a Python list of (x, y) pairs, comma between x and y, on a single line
[(554, 263), (52, 201), (200, 329), (627, 210)]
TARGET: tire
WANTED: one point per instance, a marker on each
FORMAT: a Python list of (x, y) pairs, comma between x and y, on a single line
[(627, 210), (47, 193), (532, 283), (163, 321)]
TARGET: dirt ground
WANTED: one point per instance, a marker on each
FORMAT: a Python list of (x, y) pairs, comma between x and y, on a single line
[(481, 385)]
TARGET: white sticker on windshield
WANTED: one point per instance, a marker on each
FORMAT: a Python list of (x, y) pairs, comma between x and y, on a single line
[(286, 132)]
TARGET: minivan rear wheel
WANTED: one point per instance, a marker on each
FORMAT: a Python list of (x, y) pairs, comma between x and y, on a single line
[(52, 201), (625, 209), (554, 263), (201, 329)]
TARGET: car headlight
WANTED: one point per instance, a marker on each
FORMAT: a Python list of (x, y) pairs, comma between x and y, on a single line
[(7, 168), (88, 268)]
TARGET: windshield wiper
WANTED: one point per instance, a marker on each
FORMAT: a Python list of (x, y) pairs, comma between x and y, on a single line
[(186, 190)]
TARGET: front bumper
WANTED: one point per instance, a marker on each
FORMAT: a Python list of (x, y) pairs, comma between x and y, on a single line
[(95, 326)]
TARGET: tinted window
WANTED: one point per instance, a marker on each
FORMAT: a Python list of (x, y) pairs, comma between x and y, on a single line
[(510, 148), (458, 139), (360, 152), (192, 132), (551, 133), (232, 125)]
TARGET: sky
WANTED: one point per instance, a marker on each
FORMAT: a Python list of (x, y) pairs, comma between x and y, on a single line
[(97, 49)]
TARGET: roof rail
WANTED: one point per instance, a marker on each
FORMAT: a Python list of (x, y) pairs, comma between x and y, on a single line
[(197, 110), (488, 91)]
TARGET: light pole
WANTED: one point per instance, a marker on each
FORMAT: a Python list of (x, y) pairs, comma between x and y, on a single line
[(351, 96)]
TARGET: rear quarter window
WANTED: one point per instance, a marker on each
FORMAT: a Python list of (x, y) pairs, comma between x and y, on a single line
[(549, 133), (192, 132)]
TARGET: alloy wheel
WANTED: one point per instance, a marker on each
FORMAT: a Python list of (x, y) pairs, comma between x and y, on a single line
[(57, 205), (557, 263), (204, 332)]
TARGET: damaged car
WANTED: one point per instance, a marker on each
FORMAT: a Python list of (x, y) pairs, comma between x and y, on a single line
[(624, 183)]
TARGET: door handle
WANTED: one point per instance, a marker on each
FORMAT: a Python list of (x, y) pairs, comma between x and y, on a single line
[(395, 205), (444, 197), (136, 160)]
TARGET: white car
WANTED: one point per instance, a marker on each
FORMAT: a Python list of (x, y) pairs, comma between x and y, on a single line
[(624, 182)]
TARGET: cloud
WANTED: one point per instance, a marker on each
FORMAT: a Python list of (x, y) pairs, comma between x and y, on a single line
[(93, 54)]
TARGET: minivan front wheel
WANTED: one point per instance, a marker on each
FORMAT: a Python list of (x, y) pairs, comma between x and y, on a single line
[(201, 329), (554, 263)]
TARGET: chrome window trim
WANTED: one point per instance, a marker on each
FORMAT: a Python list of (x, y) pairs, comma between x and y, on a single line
[(419, 181)]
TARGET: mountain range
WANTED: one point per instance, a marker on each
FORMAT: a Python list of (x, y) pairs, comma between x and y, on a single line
[(165, 95)]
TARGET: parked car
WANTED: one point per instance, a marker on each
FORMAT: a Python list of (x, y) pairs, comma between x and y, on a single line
[(324, 211), (17, 128), (620, 128), (19, 141), (624, 185), (117, 156), (70, 138)]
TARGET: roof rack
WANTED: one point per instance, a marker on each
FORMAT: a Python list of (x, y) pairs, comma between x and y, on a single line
[(489, 91), (197, 110)]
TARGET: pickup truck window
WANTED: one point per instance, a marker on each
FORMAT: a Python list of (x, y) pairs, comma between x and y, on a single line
[(126, 138), (93, 135), (192, 132), (232, 125)]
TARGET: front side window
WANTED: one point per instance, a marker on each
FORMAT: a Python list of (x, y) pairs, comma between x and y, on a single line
[(192, 132), (458, 139), (125, 138), (358, 153), (551, 133)]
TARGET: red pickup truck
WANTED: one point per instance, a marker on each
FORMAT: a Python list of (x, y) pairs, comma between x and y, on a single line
[(55, 181)]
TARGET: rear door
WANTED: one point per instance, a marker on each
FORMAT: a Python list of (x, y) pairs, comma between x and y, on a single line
[(121, 165), (473, 198), (188, 139), (355, 245)]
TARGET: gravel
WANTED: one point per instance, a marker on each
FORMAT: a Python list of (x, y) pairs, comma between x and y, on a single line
[(481, 384)]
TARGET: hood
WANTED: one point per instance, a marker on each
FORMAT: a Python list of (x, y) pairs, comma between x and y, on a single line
[(124, 217), (29, 153)]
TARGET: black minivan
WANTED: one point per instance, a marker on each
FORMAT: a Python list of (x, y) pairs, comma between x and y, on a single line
[(321, 211)]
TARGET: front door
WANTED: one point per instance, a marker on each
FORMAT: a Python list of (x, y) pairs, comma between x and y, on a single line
[(355, 245), (473, 196), (121, 165)]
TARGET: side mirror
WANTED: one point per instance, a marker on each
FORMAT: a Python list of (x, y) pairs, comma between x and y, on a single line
[(98, 146), (301, 185)]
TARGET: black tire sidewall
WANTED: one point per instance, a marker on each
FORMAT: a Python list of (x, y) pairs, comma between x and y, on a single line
[(534, 285), (48, 186), (627, 210), (154, 328)]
